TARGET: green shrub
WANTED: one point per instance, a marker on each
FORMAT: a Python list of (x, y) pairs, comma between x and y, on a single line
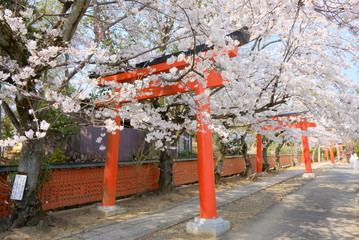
[(58, 156)]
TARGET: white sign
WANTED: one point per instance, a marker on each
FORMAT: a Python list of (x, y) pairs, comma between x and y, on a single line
[(18, 187)]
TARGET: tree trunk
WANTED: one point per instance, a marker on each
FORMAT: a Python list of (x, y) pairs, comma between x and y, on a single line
[(218, 169), (277, 156), (165, 181), (313, 155), (295, 155), (249, 170), (244, 149), (27, 212), (219, 162), (267, 143)]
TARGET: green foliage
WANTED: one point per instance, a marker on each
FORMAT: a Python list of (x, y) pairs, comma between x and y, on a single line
[(49, 7), (45, 168), (335, 151), (139, 156), (62, 125), (57, 156), (14, 159), (7, 130), (100, 91), (202, 3), (44, 175), (356, 147), (288, 148), (143, 152), (175, 48), (230, 148), (187, 154)]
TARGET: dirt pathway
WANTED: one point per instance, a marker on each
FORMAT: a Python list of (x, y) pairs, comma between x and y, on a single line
[(236, 212)]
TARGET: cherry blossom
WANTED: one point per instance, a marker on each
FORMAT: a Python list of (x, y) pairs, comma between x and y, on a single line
[(54, 57)]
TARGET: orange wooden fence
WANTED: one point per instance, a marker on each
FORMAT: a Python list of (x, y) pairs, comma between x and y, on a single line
[(69, 187)]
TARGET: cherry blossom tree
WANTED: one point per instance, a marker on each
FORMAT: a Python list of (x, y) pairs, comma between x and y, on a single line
[(293, 65), (343, 13), (49, 48)]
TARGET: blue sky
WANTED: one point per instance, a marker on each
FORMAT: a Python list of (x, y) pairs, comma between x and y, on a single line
[(352, 73)]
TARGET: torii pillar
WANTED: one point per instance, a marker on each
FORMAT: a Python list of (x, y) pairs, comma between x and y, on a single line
[(108, 207), (338, 152), (326, 154), (305, 152), (208, 222), (341, 150), (259, 157), (331, 153)]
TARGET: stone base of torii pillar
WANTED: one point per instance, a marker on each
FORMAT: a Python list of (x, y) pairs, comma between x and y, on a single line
[(308, 175), (108, 211), (215, 226), (260, 174)]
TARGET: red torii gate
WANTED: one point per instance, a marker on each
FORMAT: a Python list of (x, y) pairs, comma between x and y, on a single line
[(340, 152), (303, 124), (213, 79), (207, 196), (330, 148), (331, 154)]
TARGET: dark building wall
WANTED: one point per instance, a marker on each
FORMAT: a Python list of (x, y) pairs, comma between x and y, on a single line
[(85, 142)]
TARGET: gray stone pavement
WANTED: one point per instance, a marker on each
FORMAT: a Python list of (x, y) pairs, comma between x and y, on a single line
[(326, 208), (140, 226)]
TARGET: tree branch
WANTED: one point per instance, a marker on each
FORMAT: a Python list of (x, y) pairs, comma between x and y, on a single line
[(11, 116), (11, 46), (70, 25)]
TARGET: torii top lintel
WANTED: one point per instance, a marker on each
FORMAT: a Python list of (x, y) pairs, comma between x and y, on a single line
[(303, 124), (153, 69), (160, 65)]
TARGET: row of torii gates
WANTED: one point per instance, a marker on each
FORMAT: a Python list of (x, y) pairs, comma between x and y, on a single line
[(208, 222)]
